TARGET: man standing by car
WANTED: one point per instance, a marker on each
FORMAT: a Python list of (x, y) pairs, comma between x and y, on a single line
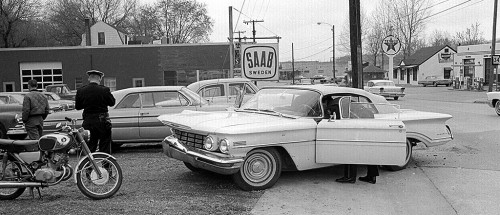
[(35, 110), (94, 99)]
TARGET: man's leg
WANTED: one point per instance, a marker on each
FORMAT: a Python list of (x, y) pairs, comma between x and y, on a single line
[(105, 139), (32, 131), (94, 134)]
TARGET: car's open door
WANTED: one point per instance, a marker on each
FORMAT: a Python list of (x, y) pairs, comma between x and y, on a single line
[(350, 140)]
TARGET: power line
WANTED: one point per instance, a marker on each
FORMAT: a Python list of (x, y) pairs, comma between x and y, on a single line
[(316, 53), (257, 23), (445, 10), (466, 6), (238, 20)]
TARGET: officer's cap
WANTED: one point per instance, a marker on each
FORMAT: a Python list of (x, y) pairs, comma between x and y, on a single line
[(95, 72)]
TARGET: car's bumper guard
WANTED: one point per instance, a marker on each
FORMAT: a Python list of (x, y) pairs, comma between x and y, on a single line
[(200, 159)]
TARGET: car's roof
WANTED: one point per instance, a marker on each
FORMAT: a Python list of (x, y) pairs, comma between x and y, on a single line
[(326, 89), (123, 92), (381, 81), (197, 84)]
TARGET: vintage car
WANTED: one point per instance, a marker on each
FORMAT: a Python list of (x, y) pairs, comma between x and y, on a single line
[(9, 113), (300, 127), (62, 90), (17, 98), (494, 101), (54, 98), (435, 81), (224, 91), (385, 88), (134, 114)]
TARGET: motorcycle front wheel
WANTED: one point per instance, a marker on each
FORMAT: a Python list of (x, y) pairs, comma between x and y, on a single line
[(12, 173), (93, 186)]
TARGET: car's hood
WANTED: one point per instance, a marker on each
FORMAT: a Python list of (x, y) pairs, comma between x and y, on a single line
[(59, 116), (409, 115), (220, 121)]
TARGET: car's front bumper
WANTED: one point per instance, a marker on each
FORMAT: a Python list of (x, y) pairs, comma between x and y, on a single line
[(201, 159), (391, 94)]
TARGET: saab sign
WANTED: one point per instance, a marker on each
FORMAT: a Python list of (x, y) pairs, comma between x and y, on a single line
[(260, 61)]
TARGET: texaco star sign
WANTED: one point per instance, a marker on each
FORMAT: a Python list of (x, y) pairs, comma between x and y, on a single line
[(391, 45)]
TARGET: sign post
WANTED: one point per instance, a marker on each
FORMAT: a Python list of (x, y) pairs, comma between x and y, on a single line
[(391, 46)]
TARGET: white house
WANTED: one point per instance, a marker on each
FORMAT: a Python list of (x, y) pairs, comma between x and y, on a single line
[(102, 33), (431, 61)]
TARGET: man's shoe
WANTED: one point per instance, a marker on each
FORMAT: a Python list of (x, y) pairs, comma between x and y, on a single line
[(346, 180), (369, 179)]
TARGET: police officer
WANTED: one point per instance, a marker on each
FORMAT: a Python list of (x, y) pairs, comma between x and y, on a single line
[(94, 99)]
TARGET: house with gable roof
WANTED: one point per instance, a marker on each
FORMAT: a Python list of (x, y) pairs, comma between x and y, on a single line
[(430, 61), (102, 33)]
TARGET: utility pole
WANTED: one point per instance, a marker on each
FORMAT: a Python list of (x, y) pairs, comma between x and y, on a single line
[(293, 67), (355, 35), (253, 25), (231, 45), (493, 42), (239, 34)]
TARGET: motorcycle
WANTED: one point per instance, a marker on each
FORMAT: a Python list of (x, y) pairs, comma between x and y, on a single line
[(45, 162)]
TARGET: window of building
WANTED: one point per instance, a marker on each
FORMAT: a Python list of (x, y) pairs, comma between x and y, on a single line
[(44, 77), (110, 82), (138, 82), (395, 74), (78, 82), (414, 74), (100, 38), (402, 77), (447, 73)]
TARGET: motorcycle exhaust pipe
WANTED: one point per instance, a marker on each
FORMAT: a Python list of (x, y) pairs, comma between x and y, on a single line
[(20, 184)]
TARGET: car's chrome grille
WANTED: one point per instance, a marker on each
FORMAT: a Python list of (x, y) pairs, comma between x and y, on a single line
[(189, 139)]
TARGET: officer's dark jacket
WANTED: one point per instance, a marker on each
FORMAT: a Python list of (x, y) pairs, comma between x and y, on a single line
[(94, 98)]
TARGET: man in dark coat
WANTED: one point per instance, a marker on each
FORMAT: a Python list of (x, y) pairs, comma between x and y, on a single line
[(35, 110), (94, 99)]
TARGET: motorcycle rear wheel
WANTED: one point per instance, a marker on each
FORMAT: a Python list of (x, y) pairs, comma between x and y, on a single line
[(89, 182), (11, 169)]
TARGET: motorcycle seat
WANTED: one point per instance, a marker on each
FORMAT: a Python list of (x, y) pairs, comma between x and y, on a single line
[(18, 146)]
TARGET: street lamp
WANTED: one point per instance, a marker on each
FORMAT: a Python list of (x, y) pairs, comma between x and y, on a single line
[(333, 40)]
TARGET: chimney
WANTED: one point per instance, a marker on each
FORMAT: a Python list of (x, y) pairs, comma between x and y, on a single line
[(87, 31)]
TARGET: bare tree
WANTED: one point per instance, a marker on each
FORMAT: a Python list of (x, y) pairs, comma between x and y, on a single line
[(470, 36), (185, 21), (146, 22), (15, 15), (409, 19), (344, 37), (68, 16), (440, 38)]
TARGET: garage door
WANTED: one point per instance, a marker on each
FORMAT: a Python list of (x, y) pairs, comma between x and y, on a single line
[(45, 73)]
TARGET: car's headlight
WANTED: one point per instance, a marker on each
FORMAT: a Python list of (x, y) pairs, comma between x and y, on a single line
[(209, 144), (224, 146)]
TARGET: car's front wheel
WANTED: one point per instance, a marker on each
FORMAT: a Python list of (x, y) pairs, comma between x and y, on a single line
[(396, 98), (409, 150), (497, 108), (260, 170)]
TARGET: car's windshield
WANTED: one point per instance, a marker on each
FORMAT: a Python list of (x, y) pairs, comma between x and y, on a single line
[(53, 96), (296, 102), (385, 83)]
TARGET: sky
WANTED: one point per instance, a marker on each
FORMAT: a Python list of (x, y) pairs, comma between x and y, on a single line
[(296, 22)]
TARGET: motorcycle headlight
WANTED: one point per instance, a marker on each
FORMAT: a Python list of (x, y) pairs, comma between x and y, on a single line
[(224, 146), (209, 144)]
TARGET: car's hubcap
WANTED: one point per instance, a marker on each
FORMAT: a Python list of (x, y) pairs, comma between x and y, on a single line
[(258, 168)]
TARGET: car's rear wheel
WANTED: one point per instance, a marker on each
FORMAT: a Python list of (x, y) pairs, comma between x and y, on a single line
[(497, 108), (435, 84), (409, 151), (396, 97), (424, 85), (260, 170)]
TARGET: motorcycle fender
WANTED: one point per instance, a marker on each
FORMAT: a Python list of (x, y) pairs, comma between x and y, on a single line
[(81, 160)]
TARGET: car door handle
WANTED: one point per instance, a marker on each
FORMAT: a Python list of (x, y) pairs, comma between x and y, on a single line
[(399, 126)]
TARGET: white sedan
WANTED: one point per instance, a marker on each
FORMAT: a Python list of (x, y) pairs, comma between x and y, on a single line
[(494, 101), (300, 127), (385, 88)]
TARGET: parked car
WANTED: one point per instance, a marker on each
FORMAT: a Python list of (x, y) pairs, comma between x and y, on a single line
[(62, 90), (494, 101), (300, 127), (17, 98), (435, 81), (9, 113), (224, 91), (64, 103), (134, 114), (385, 88)]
